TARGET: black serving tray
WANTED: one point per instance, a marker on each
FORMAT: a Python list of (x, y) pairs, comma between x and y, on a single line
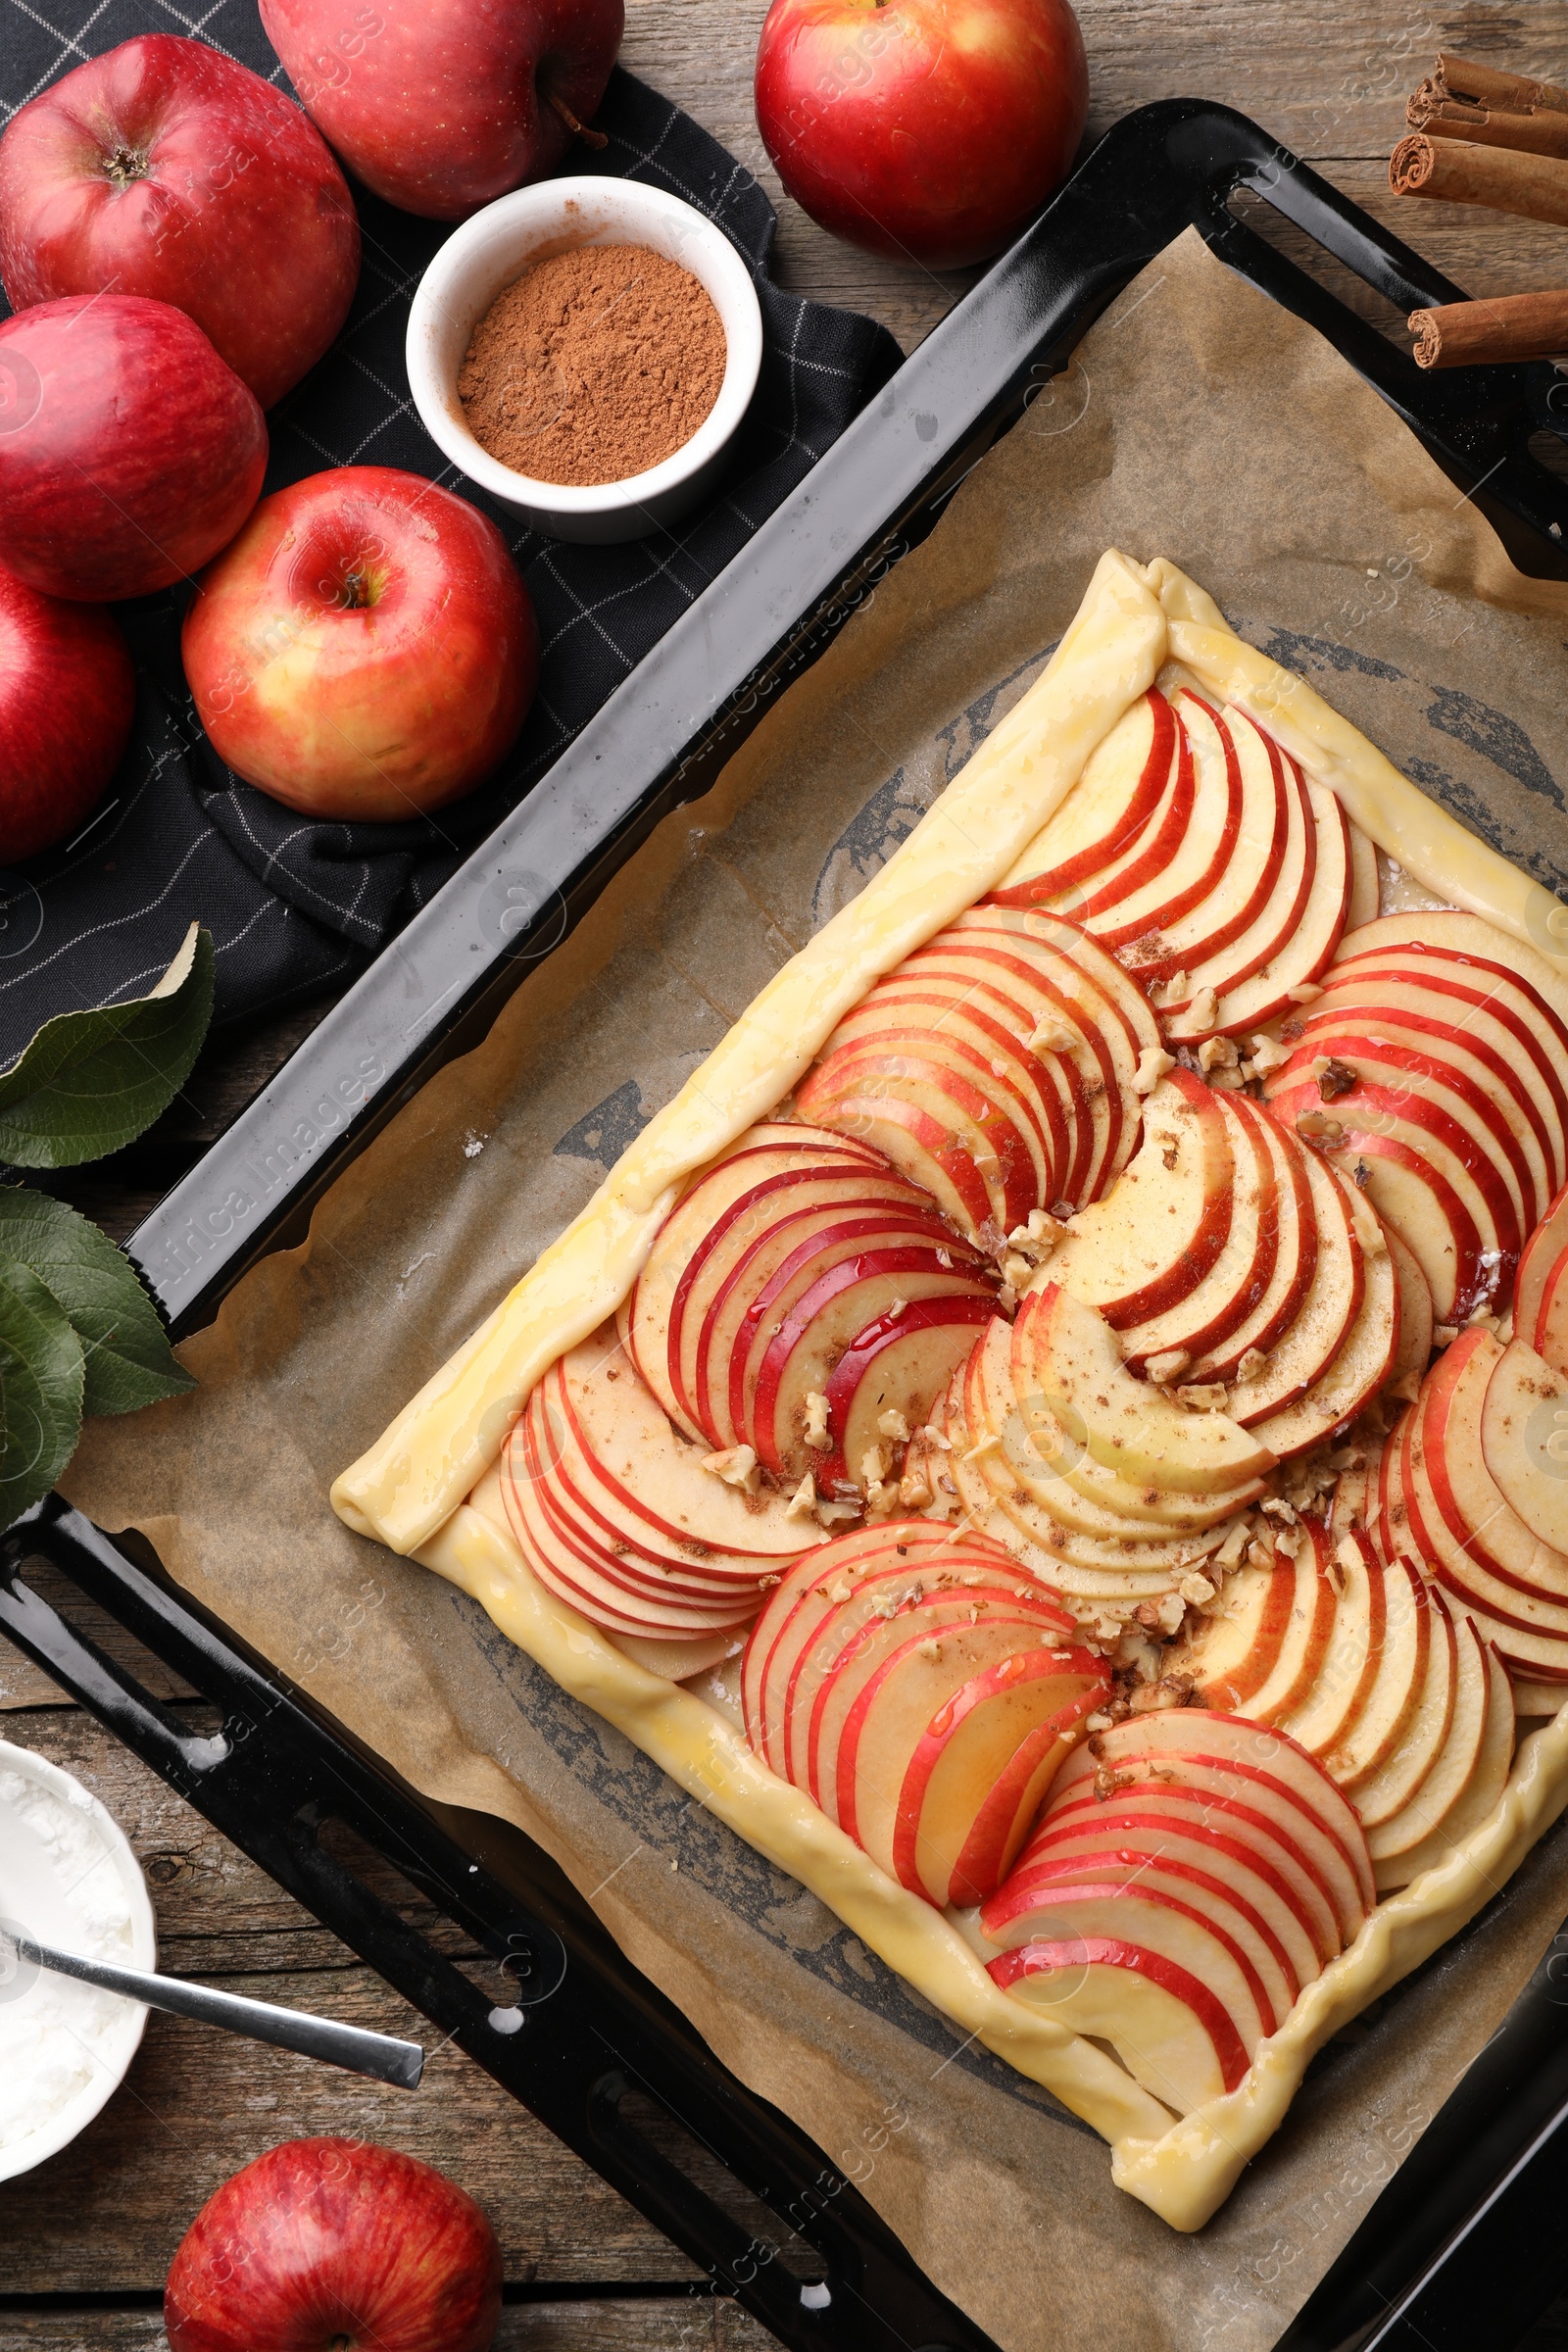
[(1461, 2248)]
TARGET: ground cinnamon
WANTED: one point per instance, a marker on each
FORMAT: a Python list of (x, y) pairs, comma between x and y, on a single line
[(1533, 185), (1506, 326), (592, 367)]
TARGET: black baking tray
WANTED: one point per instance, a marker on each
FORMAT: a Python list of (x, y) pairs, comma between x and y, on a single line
[(1461, 2247)]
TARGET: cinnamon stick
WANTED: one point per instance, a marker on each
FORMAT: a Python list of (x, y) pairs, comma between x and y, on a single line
[(1466, 101), (1478, 334), (1459, 173)]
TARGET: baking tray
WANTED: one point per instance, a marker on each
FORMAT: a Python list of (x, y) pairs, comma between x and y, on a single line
[(1460, 2248)]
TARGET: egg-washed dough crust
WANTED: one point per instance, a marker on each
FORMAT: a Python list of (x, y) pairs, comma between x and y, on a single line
[(428, 1485)]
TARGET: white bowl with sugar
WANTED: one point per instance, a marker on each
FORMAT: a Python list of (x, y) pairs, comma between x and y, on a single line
[(68, 1878)]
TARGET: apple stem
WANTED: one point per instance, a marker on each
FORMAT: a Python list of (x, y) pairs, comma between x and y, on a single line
[(356, 592), (126, 164), (579, 131)]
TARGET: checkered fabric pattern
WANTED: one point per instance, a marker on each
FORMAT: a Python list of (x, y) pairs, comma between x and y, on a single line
[(296, 907)]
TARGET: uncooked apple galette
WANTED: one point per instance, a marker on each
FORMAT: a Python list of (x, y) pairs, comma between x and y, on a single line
[(1059, 1434)]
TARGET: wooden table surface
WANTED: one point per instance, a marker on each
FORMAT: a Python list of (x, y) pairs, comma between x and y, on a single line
[(86, 2241)]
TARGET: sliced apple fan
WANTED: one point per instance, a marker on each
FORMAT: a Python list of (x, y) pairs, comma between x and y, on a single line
[(1026, 1441)]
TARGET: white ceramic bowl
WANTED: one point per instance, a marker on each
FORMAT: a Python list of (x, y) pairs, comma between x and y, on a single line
[(495, 248), (30, 1895)]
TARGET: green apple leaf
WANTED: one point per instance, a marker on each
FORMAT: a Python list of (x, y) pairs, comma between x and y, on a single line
[(92, 1081), (41, 1379), (129, 1360)]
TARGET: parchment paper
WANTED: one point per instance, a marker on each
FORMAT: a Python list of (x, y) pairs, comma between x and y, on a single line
[(1196, 421)]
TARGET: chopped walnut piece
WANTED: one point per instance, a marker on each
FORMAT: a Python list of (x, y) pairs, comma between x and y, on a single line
[(1316, 1127), (874, 1465), (1051, 1034), (1292, 1030), (1171, 1690), (1218, 1054), (1253, 1364), (1278, 1508), (1444, 1335), (1203, 1011), (892, 1424), (1017, 1272), (817, 1420), (1231, 1550), (1268, 1054), (737, 1466), (1335, 1078), (1153, 1064), (803, 1502), (1196, 1588), (1167, 1366), (833, 1514), (1202, 1396), (914, 1488)]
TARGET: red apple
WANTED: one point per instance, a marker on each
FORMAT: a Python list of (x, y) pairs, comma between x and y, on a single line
[(365, 649), (333, 2245), (441, 107), (931, 130), (129, 454), (67, 696), (165, 169)]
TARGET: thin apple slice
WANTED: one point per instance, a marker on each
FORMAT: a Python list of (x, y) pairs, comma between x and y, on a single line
[(1456, 937), (1304, 1652), (942, 1010), (1140, 860), (1149, 1244), (773, 1290), (1376, 1725), (657, 1475), (1280, 915), (1294, 1259), (1191, 1880), (1417, 1323), (1471, 1036), (1361, 1366), (1153, 1921), (1306, 940), (1022, 1445), (1269, 1761), (798, 1603), (983, 1731), (1458, 1465), (1172, 2035), (1333, 1706), (1427, 1175), (1428, 1100), (1121, 1563), (1391, 1788), (1467, 1783), (1235, 1649), (1124, 1838), (1276, 1834), (1541, 1257), (895, 1370), (1074, 993), (1477, 1000), (916, 1074), (1068, 1356), (763, 1152), (1126, 909), (1308, 1347), (746, 1244), (1551, 1317), (1365, 888), (1244, 887), (1524, 1438), (1529, 1633), (1113, 800), (1240, 1276), (833, 1314)]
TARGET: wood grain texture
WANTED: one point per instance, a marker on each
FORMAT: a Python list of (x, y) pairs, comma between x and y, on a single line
[(642, 2323), (1330, 83)]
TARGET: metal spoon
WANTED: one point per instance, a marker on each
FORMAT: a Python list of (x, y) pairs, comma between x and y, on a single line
[(375, 2054)]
